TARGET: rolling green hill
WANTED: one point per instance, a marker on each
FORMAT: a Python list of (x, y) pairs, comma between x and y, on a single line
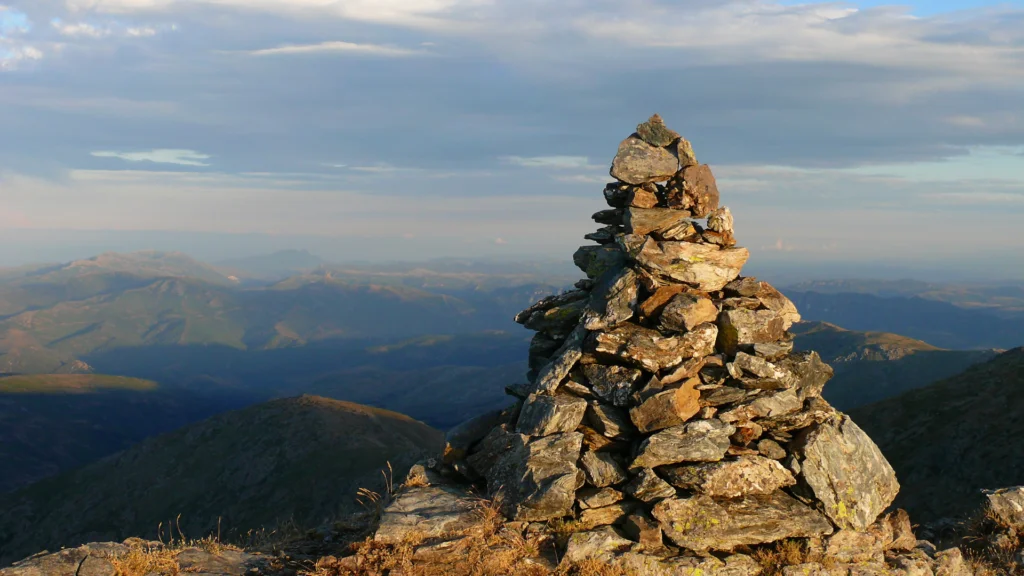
[(949, 440), (297, 458), (872, 366), (71, 384)]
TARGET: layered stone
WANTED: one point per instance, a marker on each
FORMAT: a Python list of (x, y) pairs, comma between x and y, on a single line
[(706, 267)]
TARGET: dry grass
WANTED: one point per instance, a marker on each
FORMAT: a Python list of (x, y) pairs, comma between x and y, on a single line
[(142, 560), (991, 547), (774, 557)]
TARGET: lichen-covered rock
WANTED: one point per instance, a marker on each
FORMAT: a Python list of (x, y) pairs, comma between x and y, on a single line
[(764, 405), (739, 327), (613, 300), (667, 409), (428, 512), (702, 523), (775, 301), (536, 480), (596, 260), (603, 544), (1006, 506), (846, 472), (731, 479), (610, 421), (655, 133), (708, 268), (650, 349), (613, 384), (608, 515), (554, 301), (544, 415), (563, 361), (697, 441), (638, 162), (648, 487), (559, 319), (591, 497), (687, 311)]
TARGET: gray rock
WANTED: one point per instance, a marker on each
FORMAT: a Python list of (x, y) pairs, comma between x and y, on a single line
[(709, 268), (537, 480), (611, 217), (739, 327), (648, 487), (613, 300), (610, 421), (616, 194), (596, 260), (545, 415), (697, 441), (663, 223), (491, 448), (731, 479), (772, 351), (605, 235), (702, 523), (846, 472), (764, 405), (655, 133), (603, 544), (598, 497), (613, 384), (565, 358), (814, 411), (771, 449), (762, 368), (542, 348), (558, 320), (552, 302), (951, 563), (67, 562), (606, 516), (743, 287), (637, 162), (687, 311), (428, 512), (602, 469), (724, 395), (1006, 506), (667, 409), (810, 371), (775, 301), (96, 560), (649, 349), (684, 151)]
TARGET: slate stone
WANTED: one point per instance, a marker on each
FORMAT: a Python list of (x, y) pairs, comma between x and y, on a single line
[(643, 529), (461, 438), (702, 523), (610, 421), (558, 320), (721, 221), (596, 260), (730, 478), (696, 441), (655, 133), (810, 371), (542, 348), (687, 311), (764, 405), (598, 497), (602, 469), (552, 302), (771, 449), (1006, 506), (652, 306), (739, 327), (684, 152), (537, 480), (648, 487), (602, 544), (564, 360), (637, 162), (650, 349), (641, 197), (613, 384), (491, 448), (701, 189), (543, 415), (846, 472), (613, 300), (616, 194), (708, 268), (774, 300), (667, 409), (663, 223), (428, 512), (613, 514)]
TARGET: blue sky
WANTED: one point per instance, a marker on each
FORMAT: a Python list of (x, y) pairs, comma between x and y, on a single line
[(417, 128)]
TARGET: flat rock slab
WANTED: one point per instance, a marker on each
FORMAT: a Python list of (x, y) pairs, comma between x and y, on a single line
[(543, 415), (613, 300), (709, 268), (702, 523), (1007, 506), (741, 326), (603, 544), (666, 223), (638, 162), (650, 349), (697, 441), (96, 560), (563, 361), (847, 472), (731, 479), (427, 513)]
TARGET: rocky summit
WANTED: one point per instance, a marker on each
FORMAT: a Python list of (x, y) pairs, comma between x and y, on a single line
[(667, 418)]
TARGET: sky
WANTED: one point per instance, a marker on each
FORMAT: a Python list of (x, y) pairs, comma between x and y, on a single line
[(408, 129)]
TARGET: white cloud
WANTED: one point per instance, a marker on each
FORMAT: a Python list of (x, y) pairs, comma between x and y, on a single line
[(159, 156), (80, 29), (556, 162), (13, 55), (141, 31), (339, 46)]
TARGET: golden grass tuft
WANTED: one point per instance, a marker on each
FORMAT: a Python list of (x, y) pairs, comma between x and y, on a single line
[(142, 560)]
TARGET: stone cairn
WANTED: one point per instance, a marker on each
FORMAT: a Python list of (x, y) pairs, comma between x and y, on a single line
[(664, 396)]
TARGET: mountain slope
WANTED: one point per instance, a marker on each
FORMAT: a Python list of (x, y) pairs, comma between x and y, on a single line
[(872, 366), (953, 438), (297, 458)]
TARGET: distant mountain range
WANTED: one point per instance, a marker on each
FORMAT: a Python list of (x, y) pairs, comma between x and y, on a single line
[(297, 459), (950, 440)]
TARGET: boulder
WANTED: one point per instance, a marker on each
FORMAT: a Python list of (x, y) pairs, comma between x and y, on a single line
[(564, 359), (709, 268), (544, 415), (697, 441), (1006, 506), (846, 472), (655, 133), (616, 194), (429, 512), (638, 162), (702, 523), (684, 152), (731, 479), (701, 190), (773, 300), (613, 384), (596, 260), (664, 223), (810, 372), (602, 469), (739, 327), (612, 301), (667, 409), (537, 480), (603, 544), (648, 487), (650, 349), (491, 448), (687, 311)]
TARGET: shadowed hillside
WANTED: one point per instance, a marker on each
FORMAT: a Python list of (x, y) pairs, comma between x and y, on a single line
[(302, 458), (951, 439)]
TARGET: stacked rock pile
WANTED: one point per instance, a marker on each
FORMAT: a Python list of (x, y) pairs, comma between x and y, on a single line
[(664, 396)]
